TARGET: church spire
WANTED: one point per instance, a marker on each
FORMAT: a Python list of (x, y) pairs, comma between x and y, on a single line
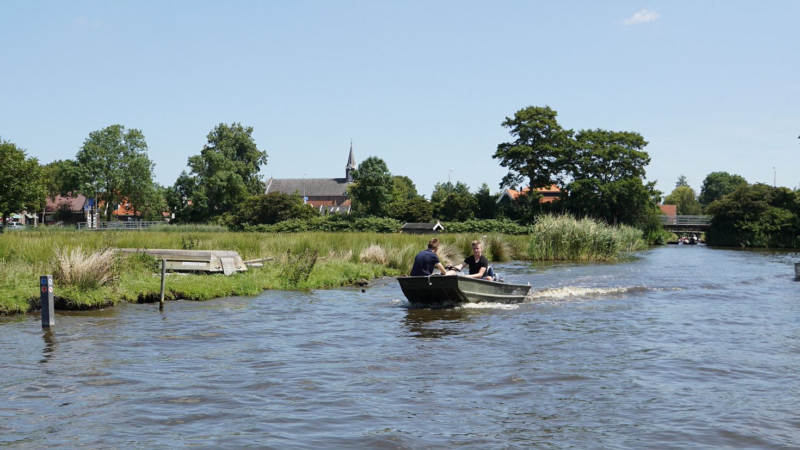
[(351, 164)]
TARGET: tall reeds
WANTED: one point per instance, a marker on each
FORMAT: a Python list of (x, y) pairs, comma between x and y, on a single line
[(563, 238)]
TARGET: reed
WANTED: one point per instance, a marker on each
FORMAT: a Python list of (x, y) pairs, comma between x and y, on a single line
[(563, 238), (83, 270)]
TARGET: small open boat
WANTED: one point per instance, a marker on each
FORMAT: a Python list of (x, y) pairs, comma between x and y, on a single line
[(451, 290)]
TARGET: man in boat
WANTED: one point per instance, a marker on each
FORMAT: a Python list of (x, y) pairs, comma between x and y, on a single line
[(478, 264), (428, 260)]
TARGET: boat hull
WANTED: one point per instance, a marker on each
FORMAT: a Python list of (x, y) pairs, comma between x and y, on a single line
[(442, 291)]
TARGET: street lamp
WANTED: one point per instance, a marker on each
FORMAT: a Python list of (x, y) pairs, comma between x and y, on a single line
[(449, 184), (774, 177)]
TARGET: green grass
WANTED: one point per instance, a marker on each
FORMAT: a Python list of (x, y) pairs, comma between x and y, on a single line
[(563, 238), (343, 258)]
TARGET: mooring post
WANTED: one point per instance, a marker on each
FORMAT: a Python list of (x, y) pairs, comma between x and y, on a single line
[(797, 271), (163, 275), (46, 296)]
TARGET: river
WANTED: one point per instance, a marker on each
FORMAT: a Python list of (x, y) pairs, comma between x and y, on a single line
[(681, 347)]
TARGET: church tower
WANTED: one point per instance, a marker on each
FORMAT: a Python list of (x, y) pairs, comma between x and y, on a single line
[(351, 165)]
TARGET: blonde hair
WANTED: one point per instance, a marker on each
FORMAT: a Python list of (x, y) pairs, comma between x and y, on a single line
[(433, 244), (476, 242)]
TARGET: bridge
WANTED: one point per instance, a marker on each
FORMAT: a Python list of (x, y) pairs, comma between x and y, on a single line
[(686, 224)]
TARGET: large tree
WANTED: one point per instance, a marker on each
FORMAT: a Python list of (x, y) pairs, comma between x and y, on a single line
[(540, 152), (372, 186), (607, 171), (21, 184), (105, 161), (717, 185), (223, 175)]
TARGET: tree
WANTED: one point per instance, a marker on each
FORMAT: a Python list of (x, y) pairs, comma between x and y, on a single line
[(681, 182), (457, 207), (717, 185), (21, 184), (403, 189), (541, 151), (607, 172), (486, 203), (61, 178), (105, 160), (686, 201), (372, 185), (138, 186), (756, 216), (224, 174), (442, 190), (416, 210), (272, 208)]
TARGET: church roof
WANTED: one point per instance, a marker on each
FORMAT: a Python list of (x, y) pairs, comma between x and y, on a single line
[(351, 160), (311, 187)]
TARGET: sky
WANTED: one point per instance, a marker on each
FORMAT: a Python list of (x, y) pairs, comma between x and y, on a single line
[(423, 85)]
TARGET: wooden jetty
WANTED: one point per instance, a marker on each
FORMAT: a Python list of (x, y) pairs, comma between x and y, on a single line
[(214, 261)]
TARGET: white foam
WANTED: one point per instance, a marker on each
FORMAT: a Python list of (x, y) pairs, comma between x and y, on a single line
[(505, 306), (576, 291)]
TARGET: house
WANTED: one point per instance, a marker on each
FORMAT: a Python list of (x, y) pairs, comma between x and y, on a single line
[(328, 195), (549, 195), (422, 228), (67, 210)]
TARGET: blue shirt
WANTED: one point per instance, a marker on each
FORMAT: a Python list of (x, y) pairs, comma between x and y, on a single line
[(424, 263)]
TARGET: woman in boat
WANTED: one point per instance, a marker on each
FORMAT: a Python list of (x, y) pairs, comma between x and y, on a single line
[(428, 260), (478, 264)]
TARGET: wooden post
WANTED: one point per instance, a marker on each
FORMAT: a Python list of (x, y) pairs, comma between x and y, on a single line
[(797, 271), (163, 275), (46, 296)]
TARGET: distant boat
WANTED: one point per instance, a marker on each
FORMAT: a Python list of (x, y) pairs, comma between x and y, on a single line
[(452, 290)]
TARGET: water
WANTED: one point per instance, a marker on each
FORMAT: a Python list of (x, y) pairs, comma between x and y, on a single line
[(685, 347)]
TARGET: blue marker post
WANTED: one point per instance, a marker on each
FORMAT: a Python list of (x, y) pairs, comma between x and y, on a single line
[(46, 296)]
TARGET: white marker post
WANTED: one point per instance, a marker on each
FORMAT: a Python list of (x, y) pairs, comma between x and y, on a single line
[(46, 295)]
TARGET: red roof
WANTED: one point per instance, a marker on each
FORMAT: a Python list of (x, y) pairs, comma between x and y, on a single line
[(75, 203), (669, 210), (550, 194)]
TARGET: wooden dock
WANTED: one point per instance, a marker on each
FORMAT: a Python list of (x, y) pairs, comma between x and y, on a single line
[(213, 261)]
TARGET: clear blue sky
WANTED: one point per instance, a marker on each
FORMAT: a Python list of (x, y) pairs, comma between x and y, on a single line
[(424, 85)]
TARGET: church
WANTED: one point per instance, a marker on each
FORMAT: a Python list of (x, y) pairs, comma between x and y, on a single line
[(327, 195)]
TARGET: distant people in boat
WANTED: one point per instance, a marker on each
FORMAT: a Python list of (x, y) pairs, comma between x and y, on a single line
[(427, 260), (478, 264)]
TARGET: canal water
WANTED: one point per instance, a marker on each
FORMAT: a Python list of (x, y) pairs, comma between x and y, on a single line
[(682, 347)]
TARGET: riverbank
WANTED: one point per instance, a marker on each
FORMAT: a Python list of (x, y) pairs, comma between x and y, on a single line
[(295, 261), (341, 259)]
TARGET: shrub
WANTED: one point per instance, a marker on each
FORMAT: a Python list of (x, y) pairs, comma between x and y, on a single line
[(84, 270)]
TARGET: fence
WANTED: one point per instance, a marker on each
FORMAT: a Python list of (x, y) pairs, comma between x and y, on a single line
[(686, 221), (131, 225)]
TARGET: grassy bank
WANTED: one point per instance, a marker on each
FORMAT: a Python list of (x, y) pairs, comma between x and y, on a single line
[(83, 280), (343, 258)]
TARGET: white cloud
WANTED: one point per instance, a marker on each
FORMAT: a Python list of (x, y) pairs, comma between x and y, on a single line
[(642, 16)]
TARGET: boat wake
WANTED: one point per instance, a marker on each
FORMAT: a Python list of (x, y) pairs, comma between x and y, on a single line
[(577, 292), (488, 305)]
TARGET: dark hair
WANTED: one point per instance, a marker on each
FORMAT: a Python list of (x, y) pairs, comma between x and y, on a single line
[(433, 244)]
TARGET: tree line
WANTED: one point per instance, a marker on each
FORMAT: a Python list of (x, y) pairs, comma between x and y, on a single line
[(600, 174)]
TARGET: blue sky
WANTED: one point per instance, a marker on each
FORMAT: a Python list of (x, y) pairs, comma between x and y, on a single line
[(424, 85)]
